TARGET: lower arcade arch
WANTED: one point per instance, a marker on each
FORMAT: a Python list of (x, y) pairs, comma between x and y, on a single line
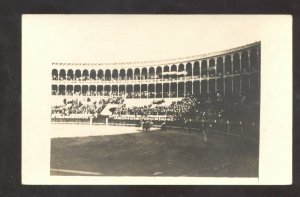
[(144, 91), (151, 91), (166, 90), (173, 90), (158, 90)]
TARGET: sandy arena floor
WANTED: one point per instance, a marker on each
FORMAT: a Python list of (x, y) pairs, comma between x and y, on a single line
[(71, 130), (127, 151)]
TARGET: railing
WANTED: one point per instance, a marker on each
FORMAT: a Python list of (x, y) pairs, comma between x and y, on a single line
[(72, 118)]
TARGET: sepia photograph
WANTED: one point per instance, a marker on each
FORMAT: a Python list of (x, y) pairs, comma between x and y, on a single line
[(194, 116), (147, 96)]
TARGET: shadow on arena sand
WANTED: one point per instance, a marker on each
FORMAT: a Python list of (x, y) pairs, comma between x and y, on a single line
[(155, 153)]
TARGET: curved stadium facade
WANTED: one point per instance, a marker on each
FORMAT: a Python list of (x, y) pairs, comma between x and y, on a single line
[(231, 72)]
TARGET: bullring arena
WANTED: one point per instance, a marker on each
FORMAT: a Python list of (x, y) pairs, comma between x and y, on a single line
[(209, 104)]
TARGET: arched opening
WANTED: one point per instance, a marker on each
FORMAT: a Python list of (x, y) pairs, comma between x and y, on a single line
[(77, 74), (236, 63), (115, 75), (203, 87), (114, 89), (236, 85), (196, 88), (254, 84), (196, 68), (180, 68), (54, 89), (220, 86), (121, 90), (220, 71), (144, 73), (122, 74), (212, 68), (165, 74), (204, 69), (181, 89), (107, 75), (181, 71), (253, 59), (99, 90), (70, 74), (62, 74), (61, 90), (173, 90), (189, 88), (166, 69), (151, 90), (151, 73), (85, 75), (70, 90), (136, 89), (129, 74), (212, 86), (107, 90), (166, 90), (129, 90), (174, 69), (189, 69), (137, 74), (93, 90), (54, 74), (77, 89), (228, 67), (93, 75), (228, 86), (158, 90), (144, 91), (245, 61), (245, 84), (159, 72), (85, 90), (100, 75)]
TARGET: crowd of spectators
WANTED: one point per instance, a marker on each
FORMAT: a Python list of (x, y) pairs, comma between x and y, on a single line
[(210, 107), (207, 107), (76, 106)]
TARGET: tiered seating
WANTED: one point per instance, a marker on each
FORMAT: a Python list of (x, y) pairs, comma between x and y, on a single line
[(205, 107)]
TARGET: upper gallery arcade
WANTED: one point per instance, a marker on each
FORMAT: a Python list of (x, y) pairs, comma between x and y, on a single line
[(232, 71)]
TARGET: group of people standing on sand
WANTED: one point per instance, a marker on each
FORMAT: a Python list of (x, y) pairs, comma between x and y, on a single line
[(146, 125)]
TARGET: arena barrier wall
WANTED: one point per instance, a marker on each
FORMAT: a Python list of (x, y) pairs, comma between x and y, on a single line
[(232, 128)]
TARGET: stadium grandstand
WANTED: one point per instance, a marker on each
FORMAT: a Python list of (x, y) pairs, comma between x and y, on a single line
[(220, 89)]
